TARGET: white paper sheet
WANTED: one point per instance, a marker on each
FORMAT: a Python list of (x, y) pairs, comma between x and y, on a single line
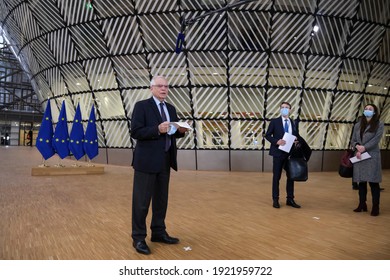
[(182, 124), (363, 157), (289, 138)]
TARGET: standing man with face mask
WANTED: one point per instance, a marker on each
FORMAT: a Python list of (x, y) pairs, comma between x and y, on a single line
[(274, 135), (154, 155)]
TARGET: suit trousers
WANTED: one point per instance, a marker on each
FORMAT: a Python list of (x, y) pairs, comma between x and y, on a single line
[(278, 165), (150, 187)]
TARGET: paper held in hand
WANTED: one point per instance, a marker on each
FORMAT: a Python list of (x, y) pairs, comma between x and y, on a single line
[(362, 157), (182, 124), (289, 138)]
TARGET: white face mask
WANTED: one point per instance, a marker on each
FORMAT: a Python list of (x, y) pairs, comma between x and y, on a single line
[(284, 111)]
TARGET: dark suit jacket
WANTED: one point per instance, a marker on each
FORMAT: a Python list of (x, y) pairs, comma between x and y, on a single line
[(275, 132), (149, 152)]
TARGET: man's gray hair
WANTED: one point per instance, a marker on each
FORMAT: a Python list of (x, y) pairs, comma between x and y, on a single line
[(153, 81)]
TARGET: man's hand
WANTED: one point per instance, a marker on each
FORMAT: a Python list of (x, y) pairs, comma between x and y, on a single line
[(281, 142), (182, 129), (163, 127)]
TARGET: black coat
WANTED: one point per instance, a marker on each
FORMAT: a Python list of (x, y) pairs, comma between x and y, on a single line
[(275, 132), (149, 152)]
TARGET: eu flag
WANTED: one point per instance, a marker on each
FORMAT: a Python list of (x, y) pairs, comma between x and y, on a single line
[(91, 147), (76, 144), (45, 134), (61, 135)]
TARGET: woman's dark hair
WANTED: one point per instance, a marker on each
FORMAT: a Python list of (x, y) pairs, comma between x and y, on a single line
[(374, 121)]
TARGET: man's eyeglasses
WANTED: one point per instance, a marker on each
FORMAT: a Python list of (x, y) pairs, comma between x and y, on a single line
[(161, 86)]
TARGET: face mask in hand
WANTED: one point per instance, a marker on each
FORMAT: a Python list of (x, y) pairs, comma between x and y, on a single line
[(368, 113), (284, 111), (172, 129)]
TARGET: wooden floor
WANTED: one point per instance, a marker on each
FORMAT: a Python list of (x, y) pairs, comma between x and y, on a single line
[(217, 215)]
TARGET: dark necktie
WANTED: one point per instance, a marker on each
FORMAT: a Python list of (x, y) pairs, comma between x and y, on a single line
[(286, 125), (164, 119)]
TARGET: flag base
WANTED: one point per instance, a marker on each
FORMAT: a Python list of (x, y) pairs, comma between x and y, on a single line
[(54, 171)]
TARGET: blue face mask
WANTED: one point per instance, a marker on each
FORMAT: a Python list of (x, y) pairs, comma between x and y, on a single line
[(172, 129), (368, 113), (284, 111)]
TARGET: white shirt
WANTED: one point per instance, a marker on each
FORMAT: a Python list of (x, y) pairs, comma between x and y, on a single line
[(172, 128), (159, 108)]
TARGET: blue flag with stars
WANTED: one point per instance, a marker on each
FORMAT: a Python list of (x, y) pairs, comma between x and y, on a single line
[(45, 134), (91, 147), (61, 135), (76, 144)]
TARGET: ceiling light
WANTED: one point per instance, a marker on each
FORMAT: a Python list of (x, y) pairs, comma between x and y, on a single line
[(316, 28)]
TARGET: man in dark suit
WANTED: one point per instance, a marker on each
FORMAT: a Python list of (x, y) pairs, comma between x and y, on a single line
[(154, 155), (274, 135)]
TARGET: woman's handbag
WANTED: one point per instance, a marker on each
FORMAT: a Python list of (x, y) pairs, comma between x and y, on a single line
[(296, 168), (346, 166)]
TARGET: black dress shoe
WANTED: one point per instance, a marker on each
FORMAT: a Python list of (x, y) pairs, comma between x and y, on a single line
[(291, 202), (165, 238), (276, 204), (141, 247)]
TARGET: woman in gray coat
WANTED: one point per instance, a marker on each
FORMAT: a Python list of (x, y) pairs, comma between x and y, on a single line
[(366, 136)]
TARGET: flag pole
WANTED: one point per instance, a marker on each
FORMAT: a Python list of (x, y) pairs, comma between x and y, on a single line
[(59, 164), (43, 163), (90, 163), (76, 164)]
